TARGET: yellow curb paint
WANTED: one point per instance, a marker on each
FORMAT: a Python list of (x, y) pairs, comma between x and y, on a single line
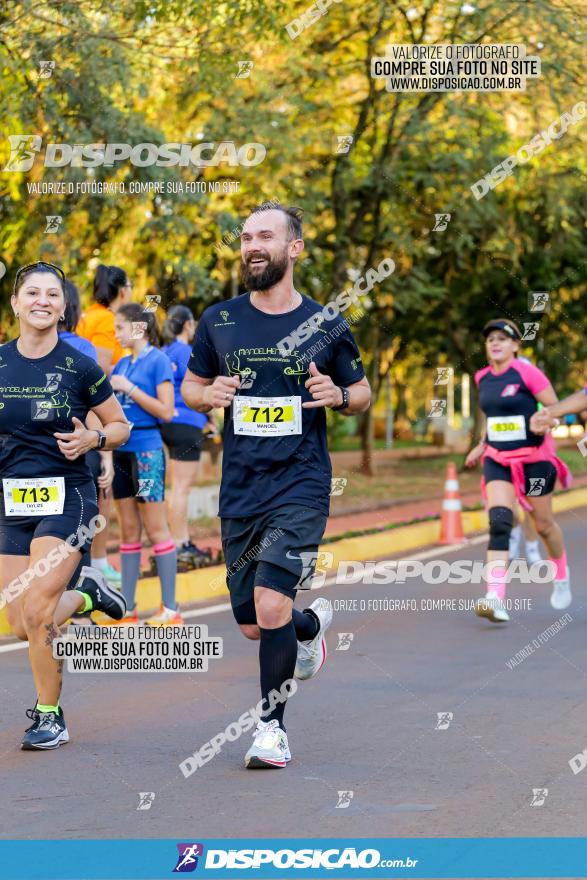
[(192, 586), (569, 500), (210, 583)]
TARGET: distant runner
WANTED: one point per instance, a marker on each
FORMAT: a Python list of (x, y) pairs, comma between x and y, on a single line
[(517, 463)]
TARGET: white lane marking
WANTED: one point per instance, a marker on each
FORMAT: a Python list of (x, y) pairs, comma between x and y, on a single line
[(330, 582), (196, 612), (213, 609)]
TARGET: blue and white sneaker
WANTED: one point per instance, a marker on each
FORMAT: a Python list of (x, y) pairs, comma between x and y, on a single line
[(48, 730), (104, 597), (270, 747)]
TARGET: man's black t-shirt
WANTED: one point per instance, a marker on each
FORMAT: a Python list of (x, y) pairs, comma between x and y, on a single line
[(275, 452), (38, 397)]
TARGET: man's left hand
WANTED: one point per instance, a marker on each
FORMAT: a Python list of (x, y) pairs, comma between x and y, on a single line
[(322, 389)]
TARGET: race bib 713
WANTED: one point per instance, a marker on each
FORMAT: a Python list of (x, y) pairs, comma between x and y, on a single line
[(32, 496)]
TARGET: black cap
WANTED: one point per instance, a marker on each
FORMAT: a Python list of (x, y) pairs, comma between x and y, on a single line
[(503, 324)]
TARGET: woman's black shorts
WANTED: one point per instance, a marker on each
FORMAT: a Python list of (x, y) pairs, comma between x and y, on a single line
[(540, 476), (184, 442), (79, 508)]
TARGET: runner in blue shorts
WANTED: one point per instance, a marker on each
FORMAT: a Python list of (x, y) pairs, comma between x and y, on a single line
[(275, 359), (48, 508), (143, 382)]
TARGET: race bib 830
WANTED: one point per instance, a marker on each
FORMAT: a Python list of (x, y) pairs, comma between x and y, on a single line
[(502, 429)]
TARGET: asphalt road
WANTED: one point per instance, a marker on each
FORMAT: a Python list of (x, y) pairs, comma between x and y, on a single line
[(367, 724)]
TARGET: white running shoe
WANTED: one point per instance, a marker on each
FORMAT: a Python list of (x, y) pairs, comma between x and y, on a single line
[(515, 543), (561, 596), (533, 552), (492, 607), (312, 654), (270, 747), (166, 617)]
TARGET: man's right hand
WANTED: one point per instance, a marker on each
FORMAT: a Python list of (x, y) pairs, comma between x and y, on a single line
[(221, 392)]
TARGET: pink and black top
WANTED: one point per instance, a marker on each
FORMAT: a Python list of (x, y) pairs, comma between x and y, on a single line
[(508, 400)]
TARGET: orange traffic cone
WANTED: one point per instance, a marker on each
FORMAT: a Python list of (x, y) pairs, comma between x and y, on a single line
[(451, 524)]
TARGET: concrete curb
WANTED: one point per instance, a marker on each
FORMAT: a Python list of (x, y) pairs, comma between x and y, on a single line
[(210, 583)]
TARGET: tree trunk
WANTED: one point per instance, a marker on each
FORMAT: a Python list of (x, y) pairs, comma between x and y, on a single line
[(477, 418), (367, 424)]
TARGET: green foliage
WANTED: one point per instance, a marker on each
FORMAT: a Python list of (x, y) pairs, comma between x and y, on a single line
[(165, 71)]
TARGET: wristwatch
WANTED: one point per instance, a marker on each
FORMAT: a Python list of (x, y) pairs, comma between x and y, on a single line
[(346, 399), (101, 439)]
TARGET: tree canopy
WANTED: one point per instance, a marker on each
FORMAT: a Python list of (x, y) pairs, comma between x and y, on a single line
[(192, 73)]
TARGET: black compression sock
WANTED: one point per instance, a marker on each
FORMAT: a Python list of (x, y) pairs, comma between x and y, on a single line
[(306, 624), (278, 652)]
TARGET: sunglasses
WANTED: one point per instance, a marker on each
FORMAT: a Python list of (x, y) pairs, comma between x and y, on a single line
[(30, 267)]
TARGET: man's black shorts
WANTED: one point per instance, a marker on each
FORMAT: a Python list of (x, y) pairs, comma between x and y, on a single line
[(184, 442), (540, 476), (276, 549)]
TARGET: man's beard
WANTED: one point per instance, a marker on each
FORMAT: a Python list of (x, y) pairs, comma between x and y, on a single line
[(273, 272)]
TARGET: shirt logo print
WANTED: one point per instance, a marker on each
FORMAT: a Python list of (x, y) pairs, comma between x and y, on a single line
[(509, 391), (247, 375)]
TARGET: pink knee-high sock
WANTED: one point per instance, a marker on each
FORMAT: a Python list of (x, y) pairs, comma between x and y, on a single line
[(496, 578), (561, 567)]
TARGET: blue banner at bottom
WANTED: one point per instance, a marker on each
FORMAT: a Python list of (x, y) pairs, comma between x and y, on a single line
[(269, 858)]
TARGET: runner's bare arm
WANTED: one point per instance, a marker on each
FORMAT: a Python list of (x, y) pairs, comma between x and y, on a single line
[(114, 421), (326, 393), (206, 394), (359, 398), (104, 356), (547, 397), (82, 439), (93, 423), (477, 451), (161, 406), (573, 404), (547, 417)]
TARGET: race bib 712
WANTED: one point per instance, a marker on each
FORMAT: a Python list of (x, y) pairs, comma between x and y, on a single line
[(267, 416)]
